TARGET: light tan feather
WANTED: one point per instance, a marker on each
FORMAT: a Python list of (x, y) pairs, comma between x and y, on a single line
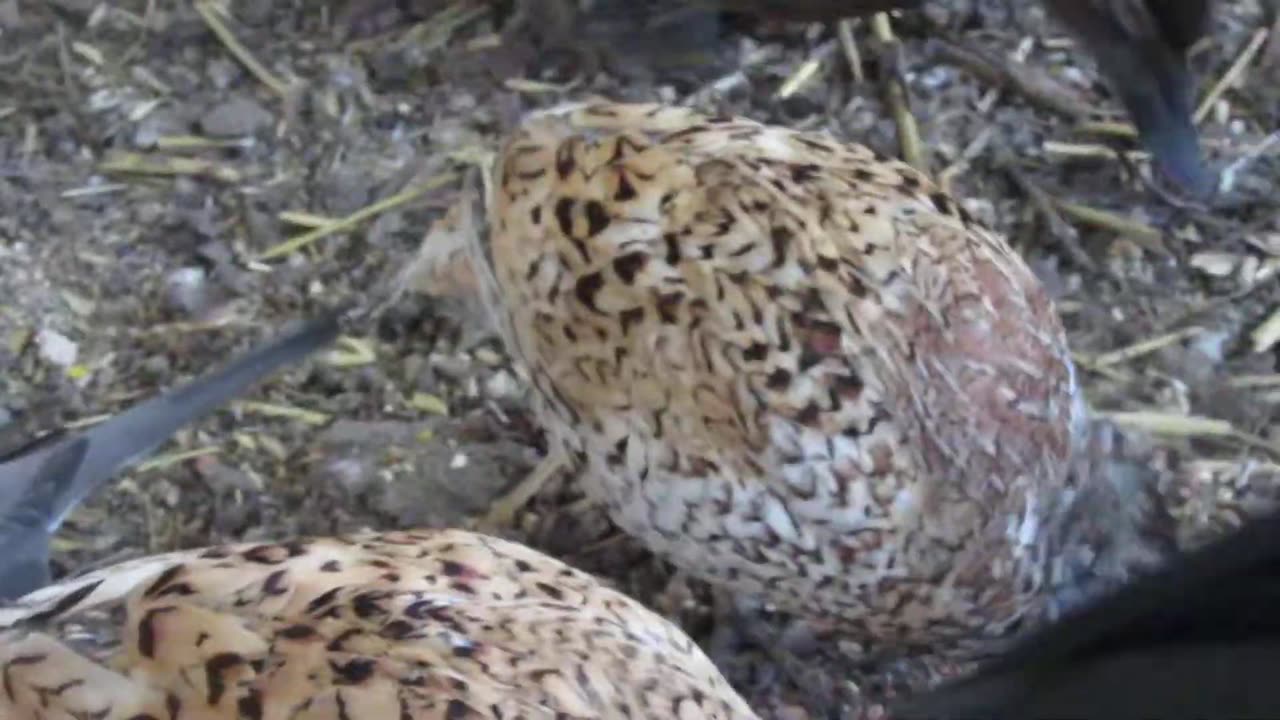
[(407, 625)]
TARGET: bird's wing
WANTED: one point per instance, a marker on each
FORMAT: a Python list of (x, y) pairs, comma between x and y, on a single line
[(418, 625)]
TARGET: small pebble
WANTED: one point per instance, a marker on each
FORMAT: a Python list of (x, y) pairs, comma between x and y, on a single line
[(236, 117), (501, 385), (155, 125), (56, 348), (188, 290)]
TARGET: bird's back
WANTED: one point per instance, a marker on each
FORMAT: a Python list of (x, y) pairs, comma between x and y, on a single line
[(409, 625), (788, 362)]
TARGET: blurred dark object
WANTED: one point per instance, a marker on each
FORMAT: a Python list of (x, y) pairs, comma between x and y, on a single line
[(1198, 640), (1140, 46)]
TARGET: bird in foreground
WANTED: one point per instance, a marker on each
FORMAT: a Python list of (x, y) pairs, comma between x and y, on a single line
[(411, 625), (1140, 46), (42, 482), (1198, 639), (803, 372)]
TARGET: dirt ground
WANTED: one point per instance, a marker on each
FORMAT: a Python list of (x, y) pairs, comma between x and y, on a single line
[(146, 168)]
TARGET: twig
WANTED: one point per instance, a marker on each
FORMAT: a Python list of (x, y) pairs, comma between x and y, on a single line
[(1086, 362), (1088, 150), (908, 130), (1254, 381), (1145, 347), (1145, 234), (430, 33), (197, 142), (160, 462), (310, 417), (538, 87), (356, 217), (1232, 74), (353, 352), (961, 163), (1067, 235), (257, 69), (133, 163), (798, 79), (844, 32), (1176, 425), (1258, 149), (64, 65), (305, 219), (1038, 90), (1165, 423), (1267, 334), (1108, 128), (93, 190)]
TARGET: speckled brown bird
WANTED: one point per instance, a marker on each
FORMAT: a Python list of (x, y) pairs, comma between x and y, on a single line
[(805, 373), (403, 625)]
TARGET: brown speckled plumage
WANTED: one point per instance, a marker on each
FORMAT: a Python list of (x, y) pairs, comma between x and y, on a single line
[(397, 626), (791, 366)]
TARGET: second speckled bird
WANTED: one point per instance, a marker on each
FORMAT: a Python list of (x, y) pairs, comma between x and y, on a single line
[(799, 370), (415, 625)]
